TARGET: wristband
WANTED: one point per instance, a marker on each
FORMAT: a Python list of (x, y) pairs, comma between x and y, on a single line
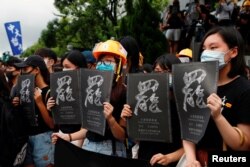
[(70, 138)]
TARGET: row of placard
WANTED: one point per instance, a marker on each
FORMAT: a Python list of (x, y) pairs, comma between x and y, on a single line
[(80, 94)]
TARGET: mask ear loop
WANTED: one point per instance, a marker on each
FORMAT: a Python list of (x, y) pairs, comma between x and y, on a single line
[(118, 70), (231, 50)]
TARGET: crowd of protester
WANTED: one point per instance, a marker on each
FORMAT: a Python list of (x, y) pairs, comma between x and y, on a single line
[(182, 26), (222, 38)]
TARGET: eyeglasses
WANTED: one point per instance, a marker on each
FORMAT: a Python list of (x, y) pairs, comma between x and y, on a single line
[(106, 62)]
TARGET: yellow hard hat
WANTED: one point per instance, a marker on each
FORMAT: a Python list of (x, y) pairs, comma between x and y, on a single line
[(110, 47), (185, 52), (246, 3)]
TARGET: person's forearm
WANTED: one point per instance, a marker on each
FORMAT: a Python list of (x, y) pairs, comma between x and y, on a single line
[(190, 150), (81, 134), (45, 115), (116, 129), (175, 156), (235, 138)]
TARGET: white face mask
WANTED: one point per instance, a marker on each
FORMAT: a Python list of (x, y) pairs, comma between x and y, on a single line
[(170, 80), (184, 59), (214, 55), (67, 69), (46, 61)]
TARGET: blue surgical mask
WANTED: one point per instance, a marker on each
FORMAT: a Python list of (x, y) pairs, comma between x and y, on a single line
[(214, 55), (104, 67)]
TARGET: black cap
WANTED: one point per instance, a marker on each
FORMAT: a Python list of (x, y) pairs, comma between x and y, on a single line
[(12, 60), (34, 61)]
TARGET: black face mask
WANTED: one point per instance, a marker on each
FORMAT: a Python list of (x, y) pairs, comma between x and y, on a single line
[(9, 75), (27, 73)]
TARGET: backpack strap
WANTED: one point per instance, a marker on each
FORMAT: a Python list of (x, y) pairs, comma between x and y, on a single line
[(46, 96)]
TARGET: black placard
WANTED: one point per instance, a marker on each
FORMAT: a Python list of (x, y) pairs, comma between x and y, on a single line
[(95, 89), (65, 90), (193, 83), (26, 88), (147, 95)]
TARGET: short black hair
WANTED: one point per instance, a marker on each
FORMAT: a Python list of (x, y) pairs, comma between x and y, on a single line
[(46, 52), (166, 61), (147, 67)]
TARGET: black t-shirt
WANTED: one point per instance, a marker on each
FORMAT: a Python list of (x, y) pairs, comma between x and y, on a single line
[(42, 126), (175, 22), (236, 96), (118, 106), (148, 148)]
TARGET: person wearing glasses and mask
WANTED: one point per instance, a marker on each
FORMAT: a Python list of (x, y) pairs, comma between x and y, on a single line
[(166, 154), (110, 56), (229, 124), (71, 60)]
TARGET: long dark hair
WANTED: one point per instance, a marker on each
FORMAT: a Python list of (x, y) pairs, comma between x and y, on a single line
[(132, 48), (232, 38), (46, 75), (76, 58)]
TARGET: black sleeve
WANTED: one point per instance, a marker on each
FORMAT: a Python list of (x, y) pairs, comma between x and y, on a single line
[(244, 107)]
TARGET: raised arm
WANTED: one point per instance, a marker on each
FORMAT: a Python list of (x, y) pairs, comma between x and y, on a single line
[(190, 151), (81, 134), (116, 129), (237, 137), (43, 109)]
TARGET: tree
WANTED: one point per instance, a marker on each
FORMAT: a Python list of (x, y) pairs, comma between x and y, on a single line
[(83, 23), (142, 22), (91, 20), (30, 51), (159, 5), (48, 36)]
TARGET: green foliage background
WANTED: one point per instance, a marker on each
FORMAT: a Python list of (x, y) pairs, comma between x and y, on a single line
[(82, 23)]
